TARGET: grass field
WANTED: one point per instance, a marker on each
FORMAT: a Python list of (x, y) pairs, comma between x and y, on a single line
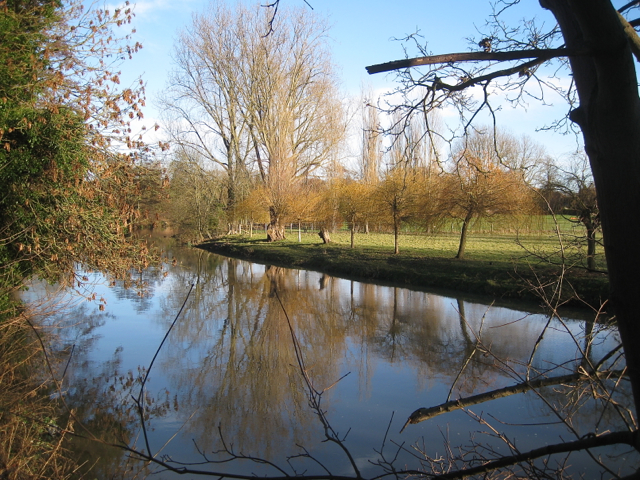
[(504, 265)]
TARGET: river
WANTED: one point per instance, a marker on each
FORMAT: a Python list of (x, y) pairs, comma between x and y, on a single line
[(228, 374)]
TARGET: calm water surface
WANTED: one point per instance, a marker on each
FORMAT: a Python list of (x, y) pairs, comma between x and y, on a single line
[(228, 369)]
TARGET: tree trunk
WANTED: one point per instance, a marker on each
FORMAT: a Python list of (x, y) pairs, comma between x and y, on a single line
[(231, 174), (353, 233), (609, 116), (275, 230), (591, 248), (299, 233), (463, 234), (324, 235), (396, 232)]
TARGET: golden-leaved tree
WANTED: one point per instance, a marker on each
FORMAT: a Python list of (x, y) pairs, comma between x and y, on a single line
[(70, 161), (484, 183)]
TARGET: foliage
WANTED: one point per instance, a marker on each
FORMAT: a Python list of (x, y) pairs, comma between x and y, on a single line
[(31, 440), (252, 208), (196, 197), (482, 185), (68, 191), (394, 198), (355, 204)]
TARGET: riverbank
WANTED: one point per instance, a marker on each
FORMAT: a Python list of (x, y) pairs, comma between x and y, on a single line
[(495, 266)]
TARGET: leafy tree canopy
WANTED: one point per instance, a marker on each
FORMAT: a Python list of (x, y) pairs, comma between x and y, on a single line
[(64, 122)]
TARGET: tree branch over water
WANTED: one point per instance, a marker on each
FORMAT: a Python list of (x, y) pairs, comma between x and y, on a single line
[(422, 414), (588, 442)]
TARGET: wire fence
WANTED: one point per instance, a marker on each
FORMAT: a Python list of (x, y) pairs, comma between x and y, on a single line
[(530, 225)]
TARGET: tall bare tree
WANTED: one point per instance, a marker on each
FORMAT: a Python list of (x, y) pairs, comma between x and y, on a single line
[(267, 99), (291, 105), (203, 102), (370, 159), (575, 184), (197, 195)]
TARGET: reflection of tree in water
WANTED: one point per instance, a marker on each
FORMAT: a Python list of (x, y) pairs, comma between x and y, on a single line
[(139, 289), (414, 328), (97, 394), (247, 379), (194, 266), (592, 406), (101, 401), (230, 361)]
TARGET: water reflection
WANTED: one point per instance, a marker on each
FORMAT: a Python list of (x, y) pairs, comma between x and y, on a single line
[(229, 367)]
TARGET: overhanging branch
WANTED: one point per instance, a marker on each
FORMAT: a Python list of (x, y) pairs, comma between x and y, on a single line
[(585, 443), (541, 54), (423, 414), (522, 68)]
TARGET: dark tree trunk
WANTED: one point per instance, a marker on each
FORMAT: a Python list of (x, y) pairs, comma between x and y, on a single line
[(276, 279), (463, 234), (324, 235), (609, 116)]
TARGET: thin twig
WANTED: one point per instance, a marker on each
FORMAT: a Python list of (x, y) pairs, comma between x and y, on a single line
[(138, 401)]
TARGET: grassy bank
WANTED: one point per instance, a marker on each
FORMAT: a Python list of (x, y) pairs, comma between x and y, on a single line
[(501, 266)]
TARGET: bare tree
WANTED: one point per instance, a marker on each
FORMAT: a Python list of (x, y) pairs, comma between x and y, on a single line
[(292, 105), (371, 148), (575, 184), (395, 197), (271, 99), (197, 195), (203, 102), (370, 160)]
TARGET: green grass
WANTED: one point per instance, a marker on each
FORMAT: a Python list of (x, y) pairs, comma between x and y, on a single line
[(500, 265)]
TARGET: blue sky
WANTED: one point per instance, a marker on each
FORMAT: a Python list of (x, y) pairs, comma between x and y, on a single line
[(362, 34)]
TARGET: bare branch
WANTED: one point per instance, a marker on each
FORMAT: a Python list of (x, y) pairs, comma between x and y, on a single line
[(423, 414), (585, 443), (632, 36), (627, 6), (542, 54)]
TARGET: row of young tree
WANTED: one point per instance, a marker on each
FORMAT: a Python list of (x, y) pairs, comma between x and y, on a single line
[(488, 176)]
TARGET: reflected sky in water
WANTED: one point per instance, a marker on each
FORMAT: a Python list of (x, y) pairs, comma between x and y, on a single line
[(228, 366)]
